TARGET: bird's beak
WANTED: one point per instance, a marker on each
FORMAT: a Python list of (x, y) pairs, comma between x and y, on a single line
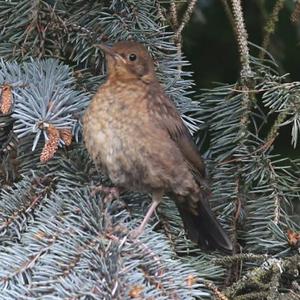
[(109, 51)]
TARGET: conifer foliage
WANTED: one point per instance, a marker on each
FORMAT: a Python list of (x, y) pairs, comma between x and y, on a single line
[(60, 240)]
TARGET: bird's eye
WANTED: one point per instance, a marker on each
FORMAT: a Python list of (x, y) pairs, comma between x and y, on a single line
[(132, 57)]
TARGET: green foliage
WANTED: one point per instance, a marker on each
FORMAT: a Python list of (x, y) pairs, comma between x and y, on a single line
[(59, 240)]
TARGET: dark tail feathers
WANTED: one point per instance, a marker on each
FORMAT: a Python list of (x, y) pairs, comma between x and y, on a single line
[(204, 229)]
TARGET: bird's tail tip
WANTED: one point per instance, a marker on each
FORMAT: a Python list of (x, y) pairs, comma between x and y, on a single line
[(205, 230)]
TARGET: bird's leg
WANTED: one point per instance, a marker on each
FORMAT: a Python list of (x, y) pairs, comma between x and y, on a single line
[(156, 198)]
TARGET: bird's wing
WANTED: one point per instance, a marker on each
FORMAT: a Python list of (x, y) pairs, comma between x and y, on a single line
[(168, 117)]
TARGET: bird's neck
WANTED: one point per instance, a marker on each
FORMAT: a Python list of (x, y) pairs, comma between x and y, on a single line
[(127, 77), (121, 76)]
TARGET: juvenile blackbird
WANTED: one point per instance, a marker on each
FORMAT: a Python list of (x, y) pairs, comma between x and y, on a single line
[(134, 133)]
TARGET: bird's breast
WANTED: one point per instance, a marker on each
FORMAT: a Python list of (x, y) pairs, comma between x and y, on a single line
[(111, 132)]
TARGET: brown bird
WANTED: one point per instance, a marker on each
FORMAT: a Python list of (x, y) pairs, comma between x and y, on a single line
[(134, 133)]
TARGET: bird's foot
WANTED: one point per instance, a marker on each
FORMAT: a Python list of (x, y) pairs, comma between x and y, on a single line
[(110, 193)]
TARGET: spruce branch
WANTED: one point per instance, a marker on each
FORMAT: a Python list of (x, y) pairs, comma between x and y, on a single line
[(179, 26), (173, 14), (27, 31), (270, 26), (25, 199), (242, 40), (217, 293), (295, 16), (161, 12), (241, 257), (82, 238), (185, 19), (69, 244), (47, 99), (286, 105), (246, 76), (254, 166), (263, 281)]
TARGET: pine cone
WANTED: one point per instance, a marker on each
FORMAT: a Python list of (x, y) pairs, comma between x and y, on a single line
[(51, 145)]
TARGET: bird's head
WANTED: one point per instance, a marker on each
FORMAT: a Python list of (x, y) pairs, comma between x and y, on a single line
[(129, 60)]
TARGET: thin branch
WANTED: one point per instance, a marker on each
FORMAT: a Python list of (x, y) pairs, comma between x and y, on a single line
[(173, 13), (178, 28), (296, 13), (270, 26), (33, 199), (255, 280), (277, 194), (217, 293), (273, 133), (240, 257), (185, 19), (242, 40), (246, 72), (160, 11)]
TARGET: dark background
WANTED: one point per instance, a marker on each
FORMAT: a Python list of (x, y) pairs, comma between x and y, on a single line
[(210, 46)]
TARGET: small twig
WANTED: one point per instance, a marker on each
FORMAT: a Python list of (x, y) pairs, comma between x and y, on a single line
[(246, 76), (185, 19), (178, 28), (173, 13), (296, 15), (242, 40), (160, 11), (277, 196), (246, 72), (218, 294), (273, 133), (234, 268), (240, 257), (270, 26)]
